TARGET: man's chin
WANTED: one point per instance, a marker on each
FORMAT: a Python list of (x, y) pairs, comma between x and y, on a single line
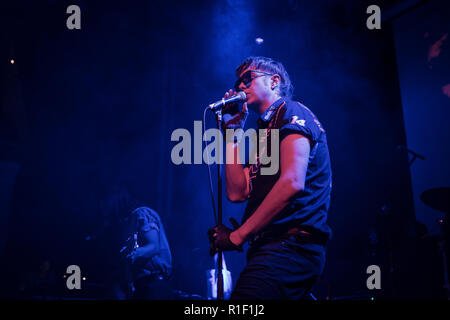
[(252, 106)]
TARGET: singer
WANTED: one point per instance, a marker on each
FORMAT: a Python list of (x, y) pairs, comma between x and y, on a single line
[(285, 218)]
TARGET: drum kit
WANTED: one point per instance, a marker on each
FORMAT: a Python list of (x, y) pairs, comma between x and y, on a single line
[(439, 199)]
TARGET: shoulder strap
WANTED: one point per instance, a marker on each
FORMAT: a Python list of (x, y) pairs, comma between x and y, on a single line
[(275, 119)]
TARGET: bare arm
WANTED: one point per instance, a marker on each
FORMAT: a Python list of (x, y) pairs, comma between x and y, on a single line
[(236, 176), (294, 155), (151, 246)]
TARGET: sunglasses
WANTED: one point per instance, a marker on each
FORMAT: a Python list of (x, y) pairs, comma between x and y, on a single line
[(247, 78)]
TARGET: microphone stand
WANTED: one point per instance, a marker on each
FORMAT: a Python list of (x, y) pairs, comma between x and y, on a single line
[(219, 211)]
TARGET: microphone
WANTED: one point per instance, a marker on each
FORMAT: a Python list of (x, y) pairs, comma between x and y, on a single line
[(239, 97)]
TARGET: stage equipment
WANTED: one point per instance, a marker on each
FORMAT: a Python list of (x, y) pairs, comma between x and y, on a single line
[(439, 199)]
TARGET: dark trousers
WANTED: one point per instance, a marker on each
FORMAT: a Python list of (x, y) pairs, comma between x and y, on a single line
[(284, 269), (152, 288)]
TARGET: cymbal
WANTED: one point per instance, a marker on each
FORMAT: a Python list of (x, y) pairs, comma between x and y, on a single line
[(437, 198)]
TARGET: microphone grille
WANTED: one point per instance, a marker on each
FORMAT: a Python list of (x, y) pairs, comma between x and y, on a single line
[(243, 96)]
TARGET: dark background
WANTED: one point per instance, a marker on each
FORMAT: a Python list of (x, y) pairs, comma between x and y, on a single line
[(88, 111), (422, 48)]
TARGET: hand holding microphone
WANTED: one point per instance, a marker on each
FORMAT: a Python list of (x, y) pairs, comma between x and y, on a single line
[(232, 117)]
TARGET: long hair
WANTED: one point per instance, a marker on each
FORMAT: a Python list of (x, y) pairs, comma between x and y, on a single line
[(272, 66), (118, 203)]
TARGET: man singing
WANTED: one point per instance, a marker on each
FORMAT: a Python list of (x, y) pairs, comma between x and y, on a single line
[(285, 218)]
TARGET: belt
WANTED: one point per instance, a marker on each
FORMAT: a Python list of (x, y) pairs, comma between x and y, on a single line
[(297, 233)]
